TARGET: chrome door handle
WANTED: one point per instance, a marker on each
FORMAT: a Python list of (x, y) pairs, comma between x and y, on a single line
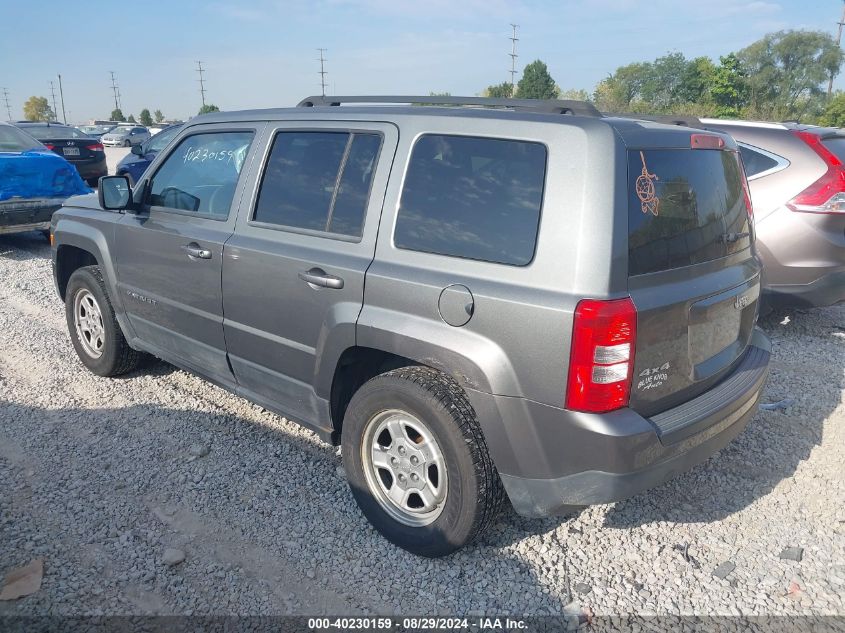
[(318, 277), (194, 250)]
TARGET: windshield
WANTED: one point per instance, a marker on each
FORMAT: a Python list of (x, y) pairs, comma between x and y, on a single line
[(45, 132), (119, 131), (96, 129), (14, 140)]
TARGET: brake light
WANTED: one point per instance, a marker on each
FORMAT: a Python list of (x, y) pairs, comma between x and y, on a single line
[(96, 147), (706, 141), (50, 147), (827, 194), (745, 190), (602, 358)]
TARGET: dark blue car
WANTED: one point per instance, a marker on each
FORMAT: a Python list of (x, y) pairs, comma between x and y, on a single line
[(134, 164)]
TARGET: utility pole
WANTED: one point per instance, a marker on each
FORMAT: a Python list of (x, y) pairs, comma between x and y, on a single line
[(323, 71), (838, 43), (202, 83), (115, 90), (514, 39), (53, 94), (6, 99), (62, 97)]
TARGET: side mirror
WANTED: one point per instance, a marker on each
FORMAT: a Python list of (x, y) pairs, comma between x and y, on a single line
[(137, 150), (114, 193)]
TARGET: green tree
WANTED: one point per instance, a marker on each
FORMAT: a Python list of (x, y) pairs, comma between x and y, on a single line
[(208, 107), (785, 72), (729, 88), (834, 111), (159, 116), (117, 115), (697, 81), (131, 119), (37, 109), (503, 90), (622, 91), (572, 93), (536, 82), (145, 117)]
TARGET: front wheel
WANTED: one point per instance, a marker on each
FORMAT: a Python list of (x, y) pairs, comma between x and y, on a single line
[(94, 330), (127, 143), (417, 462)]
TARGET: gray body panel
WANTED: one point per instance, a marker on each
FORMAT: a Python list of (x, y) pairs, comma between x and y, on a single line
[(245, 320)]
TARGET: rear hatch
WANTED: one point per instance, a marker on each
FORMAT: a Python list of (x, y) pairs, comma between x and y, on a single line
[(692, 272)]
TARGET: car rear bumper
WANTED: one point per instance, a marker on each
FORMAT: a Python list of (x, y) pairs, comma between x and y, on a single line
[(27, 215), (827, 290), (551, 459), (92, 169)]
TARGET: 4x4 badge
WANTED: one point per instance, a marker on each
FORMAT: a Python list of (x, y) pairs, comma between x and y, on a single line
[(646, 190)]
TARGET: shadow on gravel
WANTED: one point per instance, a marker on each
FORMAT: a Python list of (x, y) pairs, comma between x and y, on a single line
[(774, 443), (23, 246)]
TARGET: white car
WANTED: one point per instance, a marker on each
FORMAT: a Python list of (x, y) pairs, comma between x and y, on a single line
[(126, 136)]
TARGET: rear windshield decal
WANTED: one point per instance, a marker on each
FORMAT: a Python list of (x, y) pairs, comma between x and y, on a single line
[(646, 190)]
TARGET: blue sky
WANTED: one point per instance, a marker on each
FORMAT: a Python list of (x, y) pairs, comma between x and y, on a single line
[(263, 53)]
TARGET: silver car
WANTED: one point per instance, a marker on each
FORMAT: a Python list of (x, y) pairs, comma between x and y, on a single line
[(126, 136)]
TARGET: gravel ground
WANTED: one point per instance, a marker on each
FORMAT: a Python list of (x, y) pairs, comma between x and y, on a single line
[(112, 481)]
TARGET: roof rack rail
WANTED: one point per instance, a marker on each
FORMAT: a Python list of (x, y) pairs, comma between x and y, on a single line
[(553, 106)]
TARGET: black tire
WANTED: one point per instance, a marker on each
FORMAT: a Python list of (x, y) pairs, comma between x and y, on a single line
[(93, 182), (116, 356), (127, 143), (46, 234), (474, 492)]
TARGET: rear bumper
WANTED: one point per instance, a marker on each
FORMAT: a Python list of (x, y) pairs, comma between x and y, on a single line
[(558, 458), (93, 169), (27, 215), (825, 291)]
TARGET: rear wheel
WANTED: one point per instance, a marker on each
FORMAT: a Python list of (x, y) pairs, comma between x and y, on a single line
[(94, 331), (127, 143), (417, 462)]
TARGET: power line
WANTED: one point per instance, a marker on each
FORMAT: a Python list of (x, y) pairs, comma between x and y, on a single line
[(6, 99), (514, 39), (53, 94), (841, 23), (323, 71), (202, 83), (115, 90)]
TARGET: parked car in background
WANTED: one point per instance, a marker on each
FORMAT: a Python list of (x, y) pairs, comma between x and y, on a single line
[(84, 152), (133, 164), (97, 130), (34, 182), (796, 174), (499, 299), (126, 136)]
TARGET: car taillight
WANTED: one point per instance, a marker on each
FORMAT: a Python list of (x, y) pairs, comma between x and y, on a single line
[(745, 190), (96, 147), (602, 358), (827, 194), (706, 141), (50, 147)]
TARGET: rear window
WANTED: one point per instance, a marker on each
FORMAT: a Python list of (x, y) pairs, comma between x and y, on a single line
[(52, 132), (476, 198), (13, 140), (756, 162), (836, 146), (684, 207)]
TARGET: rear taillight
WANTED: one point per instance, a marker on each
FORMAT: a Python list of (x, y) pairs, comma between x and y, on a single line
[(827, 194), (602, 357), (50, 147), (745, 190), (96, 147)]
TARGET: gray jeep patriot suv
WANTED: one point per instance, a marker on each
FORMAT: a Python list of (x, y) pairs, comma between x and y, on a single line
[(475, 298)]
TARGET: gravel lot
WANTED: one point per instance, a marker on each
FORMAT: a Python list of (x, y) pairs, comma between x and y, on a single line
[(101, 477)]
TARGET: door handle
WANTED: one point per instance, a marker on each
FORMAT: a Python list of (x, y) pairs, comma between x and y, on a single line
[(194, 250), (318, 277)]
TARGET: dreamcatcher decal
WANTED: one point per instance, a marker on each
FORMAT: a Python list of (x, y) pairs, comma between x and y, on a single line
[(646, 190)]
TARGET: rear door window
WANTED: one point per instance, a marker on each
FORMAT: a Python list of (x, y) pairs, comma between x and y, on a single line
[(684, 207), (318, 181), (755, 161), (475, 198)]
